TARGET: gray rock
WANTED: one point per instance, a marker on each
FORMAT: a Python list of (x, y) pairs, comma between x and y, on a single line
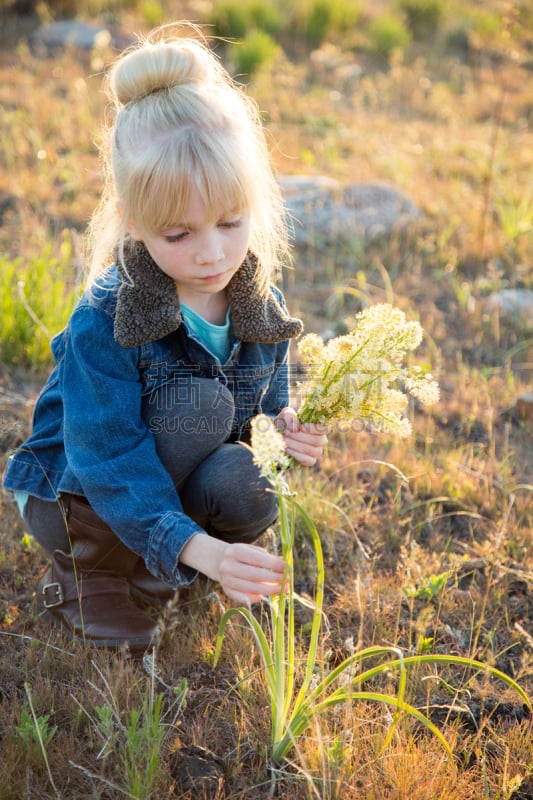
[(322, 211), (70, 33), (516, 303)]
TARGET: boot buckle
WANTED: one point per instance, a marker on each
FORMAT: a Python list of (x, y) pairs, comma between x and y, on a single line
[(56, 591)]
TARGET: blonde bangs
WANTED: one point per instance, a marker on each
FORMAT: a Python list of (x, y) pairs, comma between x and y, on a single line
[(192, 159)]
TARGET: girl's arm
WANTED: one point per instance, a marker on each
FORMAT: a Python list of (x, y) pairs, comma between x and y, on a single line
[(246, 572), (110, 449)]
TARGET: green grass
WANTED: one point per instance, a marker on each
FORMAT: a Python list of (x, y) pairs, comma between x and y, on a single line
[(256, 50), (36, 299), (388, 33)]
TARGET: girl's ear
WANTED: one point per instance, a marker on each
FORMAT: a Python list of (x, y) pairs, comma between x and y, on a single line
[(131, 227), (133, 231)]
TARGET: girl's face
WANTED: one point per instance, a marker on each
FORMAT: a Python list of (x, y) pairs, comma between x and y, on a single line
[(200, 254)]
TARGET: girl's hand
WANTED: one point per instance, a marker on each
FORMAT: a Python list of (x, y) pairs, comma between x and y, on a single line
[(305, 442), (246, 572)]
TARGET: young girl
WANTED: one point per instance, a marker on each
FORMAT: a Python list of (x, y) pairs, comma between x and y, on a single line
[(133, 479)]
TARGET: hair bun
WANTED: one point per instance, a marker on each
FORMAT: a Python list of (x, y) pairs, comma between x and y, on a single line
[(156, 66)]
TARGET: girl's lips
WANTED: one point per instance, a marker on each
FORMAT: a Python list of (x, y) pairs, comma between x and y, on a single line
[(213, 278)]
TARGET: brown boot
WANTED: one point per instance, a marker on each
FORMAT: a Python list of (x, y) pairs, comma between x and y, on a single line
[(148, 589), (88, 590)]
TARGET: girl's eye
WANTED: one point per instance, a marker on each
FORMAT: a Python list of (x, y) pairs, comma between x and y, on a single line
[(230, 223), (171, 238), (227, 224)]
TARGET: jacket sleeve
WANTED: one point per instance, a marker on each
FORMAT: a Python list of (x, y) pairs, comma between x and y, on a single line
[(276, 396), (112, 451)]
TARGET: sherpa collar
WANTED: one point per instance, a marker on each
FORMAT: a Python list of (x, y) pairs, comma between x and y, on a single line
[(148, 306)]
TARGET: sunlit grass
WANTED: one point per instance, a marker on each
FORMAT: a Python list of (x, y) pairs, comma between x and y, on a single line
[(36, 300)]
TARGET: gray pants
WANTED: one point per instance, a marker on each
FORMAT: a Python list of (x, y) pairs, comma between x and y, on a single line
[(219, 486)]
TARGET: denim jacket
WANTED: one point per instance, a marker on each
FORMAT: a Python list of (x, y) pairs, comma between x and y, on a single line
[(126, 338)]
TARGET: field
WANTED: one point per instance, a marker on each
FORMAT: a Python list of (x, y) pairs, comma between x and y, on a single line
[(428, 542)]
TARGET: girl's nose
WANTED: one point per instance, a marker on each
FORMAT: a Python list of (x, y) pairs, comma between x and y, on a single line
[(210, 251)]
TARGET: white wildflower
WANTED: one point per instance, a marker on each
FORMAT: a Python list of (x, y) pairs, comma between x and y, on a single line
[(423, 387), (311, 348), (268, 448), (356, 376)]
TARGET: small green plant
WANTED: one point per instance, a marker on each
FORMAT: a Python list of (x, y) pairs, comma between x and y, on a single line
[(483, 22), (152, 12), (515, 212), (105, 725), (36, 732), (432, 588), (232, 19), (138, 736), (388, 33), (36, 299), (256, 50), (141, 750), (266, 17), (423, 16), (318, 20)]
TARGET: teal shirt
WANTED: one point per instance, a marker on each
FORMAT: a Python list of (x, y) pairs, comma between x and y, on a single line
[(217, 338)]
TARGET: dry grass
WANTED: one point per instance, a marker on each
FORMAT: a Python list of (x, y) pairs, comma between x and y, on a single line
[(456, 136)]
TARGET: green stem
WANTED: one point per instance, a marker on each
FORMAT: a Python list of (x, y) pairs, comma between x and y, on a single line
[(278, 606)]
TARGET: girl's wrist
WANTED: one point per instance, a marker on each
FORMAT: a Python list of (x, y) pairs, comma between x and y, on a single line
[(204, 553)]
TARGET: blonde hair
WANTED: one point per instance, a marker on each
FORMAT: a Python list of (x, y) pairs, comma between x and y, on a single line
[(180, 122)]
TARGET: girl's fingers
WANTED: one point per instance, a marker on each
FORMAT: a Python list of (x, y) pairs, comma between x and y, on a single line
[(251, 572), (245, 599), (305, 442), (254, 578), (307, 448), (252, 587), (304, 439), (242, 591), (287, 420), (242, 556), (315, 428)]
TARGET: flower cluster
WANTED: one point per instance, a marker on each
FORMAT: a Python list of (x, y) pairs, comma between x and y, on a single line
[(268, 447), (357, 376)]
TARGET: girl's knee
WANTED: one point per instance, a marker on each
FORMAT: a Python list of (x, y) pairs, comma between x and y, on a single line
[(265, 513), (250, 512), (227, 495), (190, 406)]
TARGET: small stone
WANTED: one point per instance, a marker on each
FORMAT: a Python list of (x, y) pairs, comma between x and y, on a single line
[(515, 303), (66, 33), (524, 406), (70, 33)]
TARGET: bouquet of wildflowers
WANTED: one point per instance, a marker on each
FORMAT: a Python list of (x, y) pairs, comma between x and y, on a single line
[(356, 376)]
